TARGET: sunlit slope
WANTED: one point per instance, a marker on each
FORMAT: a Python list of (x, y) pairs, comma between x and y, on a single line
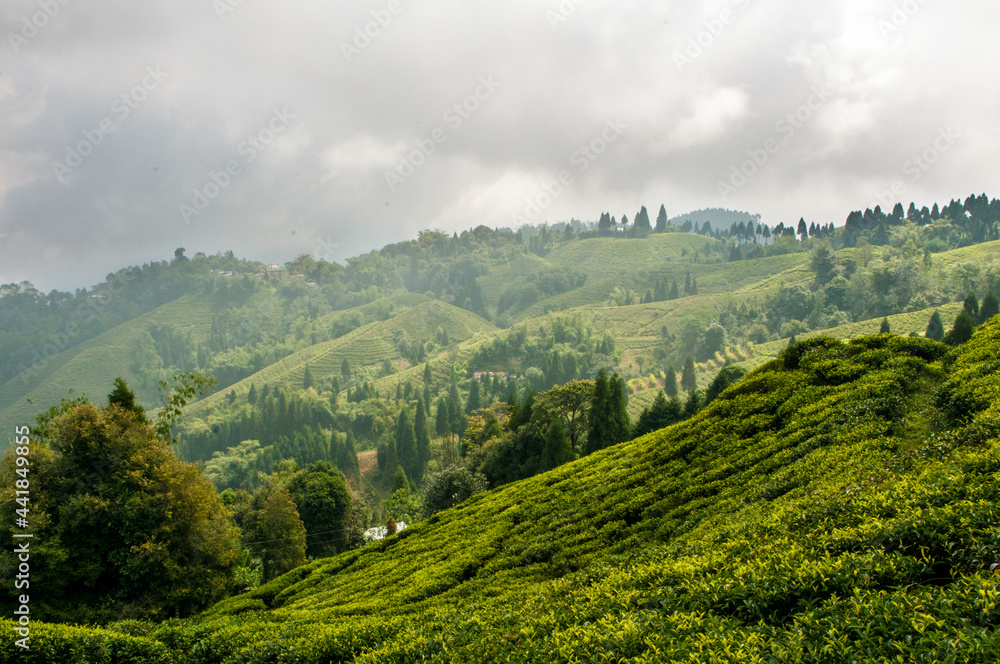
[(366, 345), (90, 367), (838, 505)]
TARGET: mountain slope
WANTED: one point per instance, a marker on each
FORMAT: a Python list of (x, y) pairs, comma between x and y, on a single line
[(836, 505)]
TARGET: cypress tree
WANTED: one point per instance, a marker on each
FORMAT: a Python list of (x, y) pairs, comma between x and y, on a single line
[(252, 394), (990, 308), (661, 220), (670, 385), (885, 328), (406, 443), (674, 291), (621, 426), (599, 432), (473, 403), (307, 378), (971, 305), (441, 418), (558, 449), (423, 442), (352, 467), (961, 330), (935, 328), (689, 380), (345, 369)]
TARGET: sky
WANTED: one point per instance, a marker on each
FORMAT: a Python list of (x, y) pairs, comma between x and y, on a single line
[(330, 128)]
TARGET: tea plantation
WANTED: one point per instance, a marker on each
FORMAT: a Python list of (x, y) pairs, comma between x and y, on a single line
[(840, 504)]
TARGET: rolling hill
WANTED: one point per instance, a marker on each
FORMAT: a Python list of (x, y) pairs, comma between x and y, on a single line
[(838, 505)]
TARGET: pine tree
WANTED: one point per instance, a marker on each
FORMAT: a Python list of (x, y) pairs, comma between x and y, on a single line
[(423, 442), (307, 379), (351, 466), (441, 426), (687, 283), (885, 328), (345, 369), (252, 394), (670, 385), (961, 330), (599, 416), (661, 220), (971, 305), (620, 426), (674, 291), (406, 443), (935, 328), (456, 421), (990, 308), (473, 403), (689, 379), (558, 449), (694, 285)]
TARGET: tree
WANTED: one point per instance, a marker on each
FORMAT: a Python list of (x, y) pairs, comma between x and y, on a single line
[(885, 328), (347, 457), (599, 431), (283, 534), (124, 398), (803, 230), (441, 423), (558, 449), (307, 378), (122, 527), (182, 389), (421, 431), (728, 376), (473, 402), (990, 308), (689, 379), (406, 442), (670, 384), (662, 413), (323, 504), (620, 428), (661, 220), (345, 369), (935, 328), (961, 330), (824, 263), (641, 225), (452, 486), (971, 305), (570, 403)]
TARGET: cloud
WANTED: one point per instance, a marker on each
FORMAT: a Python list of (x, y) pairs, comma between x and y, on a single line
[(359, 110)]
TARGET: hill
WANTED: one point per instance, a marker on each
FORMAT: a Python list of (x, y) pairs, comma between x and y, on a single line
[(837, 505)]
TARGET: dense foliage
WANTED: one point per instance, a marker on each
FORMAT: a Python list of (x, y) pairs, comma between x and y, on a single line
[(836, 505)]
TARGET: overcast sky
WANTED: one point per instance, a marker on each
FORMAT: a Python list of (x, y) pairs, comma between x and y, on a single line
[(330, 128)]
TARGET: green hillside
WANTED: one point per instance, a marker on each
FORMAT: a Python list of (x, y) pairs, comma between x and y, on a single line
[(85, 368), (838, 505)]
